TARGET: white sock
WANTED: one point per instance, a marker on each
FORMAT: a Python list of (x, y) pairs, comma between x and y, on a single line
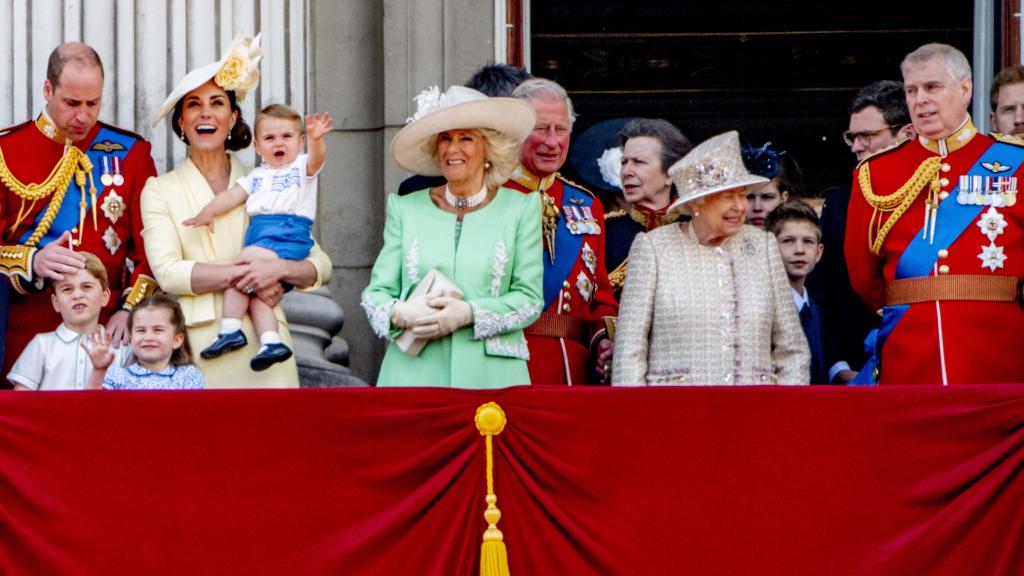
[(270, 337), (229, 325)]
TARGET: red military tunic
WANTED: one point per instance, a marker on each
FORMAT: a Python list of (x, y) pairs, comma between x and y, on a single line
[(116, 239), (577, 294), (940, 340)]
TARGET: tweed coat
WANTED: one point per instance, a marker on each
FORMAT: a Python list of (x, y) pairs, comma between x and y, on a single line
[(695, 314)]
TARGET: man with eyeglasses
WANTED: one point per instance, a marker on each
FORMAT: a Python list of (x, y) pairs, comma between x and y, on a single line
[(935, 237), (878, 119), (1007, 100)]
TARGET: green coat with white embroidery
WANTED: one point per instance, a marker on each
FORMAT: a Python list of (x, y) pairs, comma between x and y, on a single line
[(497, 265)]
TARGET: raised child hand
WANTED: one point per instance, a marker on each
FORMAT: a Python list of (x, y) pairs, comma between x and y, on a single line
[(97, 346), (317, 125)]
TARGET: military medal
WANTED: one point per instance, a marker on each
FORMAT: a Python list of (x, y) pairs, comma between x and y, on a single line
[(589, 258), (118, 178), (572, 220), (590, 221), (992, 257), (106, 179), (111, 240), (992, 224), (113, 206), (585, 287)]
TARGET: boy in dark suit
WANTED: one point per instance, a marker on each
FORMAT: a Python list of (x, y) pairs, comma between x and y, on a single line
[(798, 231)]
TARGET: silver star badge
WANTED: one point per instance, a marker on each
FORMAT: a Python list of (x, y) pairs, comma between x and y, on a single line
[(111, 240), (113, 206), (992, 223), (992, 257)]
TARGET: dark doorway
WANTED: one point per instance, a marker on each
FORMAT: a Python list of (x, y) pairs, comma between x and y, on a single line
[(778, 71)]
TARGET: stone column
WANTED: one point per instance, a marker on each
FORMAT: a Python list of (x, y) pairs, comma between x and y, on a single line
[(368, 59), (346, 60)]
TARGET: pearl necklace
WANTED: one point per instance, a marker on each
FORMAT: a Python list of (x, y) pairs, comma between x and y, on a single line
[(691, 233), (465, 202)]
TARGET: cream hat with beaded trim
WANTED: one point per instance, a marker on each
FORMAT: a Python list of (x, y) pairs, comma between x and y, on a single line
[(457, 108), (715, 165), (238, 70)]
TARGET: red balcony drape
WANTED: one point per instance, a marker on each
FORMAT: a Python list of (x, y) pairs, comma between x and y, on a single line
[(890, 480)]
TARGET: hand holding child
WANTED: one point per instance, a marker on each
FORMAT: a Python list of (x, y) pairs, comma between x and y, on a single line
[(318, 125)]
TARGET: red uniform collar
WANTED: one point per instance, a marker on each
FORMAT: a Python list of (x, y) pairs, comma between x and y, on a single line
[(522, 176), (47, 128), (651, 219)]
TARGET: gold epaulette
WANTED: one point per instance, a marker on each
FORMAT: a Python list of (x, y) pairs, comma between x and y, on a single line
[(617, 277), (16, 263), (144, 286), (573, 184), (1007, 139), (615, 214), (895, 145)]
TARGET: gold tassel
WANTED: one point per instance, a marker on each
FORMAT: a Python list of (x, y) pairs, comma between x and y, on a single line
[(490, 421)]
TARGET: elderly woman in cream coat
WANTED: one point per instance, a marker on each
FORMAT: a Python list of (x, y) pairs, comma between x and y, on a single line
[(195, 264), (707, 301)]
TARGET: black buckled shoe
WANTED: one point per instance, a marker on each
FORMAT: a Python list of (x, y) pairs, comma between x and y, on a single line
[(225, 343), (269, 355)]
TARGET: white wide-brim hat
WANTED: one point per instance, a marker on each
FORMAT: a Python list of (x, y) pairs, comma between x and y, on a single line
[(715, 165), (238, 70), (457, 108)]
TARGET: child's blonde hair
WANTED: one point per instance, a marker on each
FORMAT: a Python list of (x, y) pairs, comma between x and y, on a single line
[(183, 355), (94, 267), (281, 112)]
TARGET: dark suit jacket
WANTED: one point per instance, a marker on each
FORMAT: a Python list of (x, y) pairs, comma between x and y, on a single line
[(810, 321), (846, 319)]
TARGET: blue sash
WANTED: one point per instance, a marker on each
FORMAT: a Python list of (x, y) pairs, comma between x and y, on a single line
[(920, 257), (67, 215), (567, 246)]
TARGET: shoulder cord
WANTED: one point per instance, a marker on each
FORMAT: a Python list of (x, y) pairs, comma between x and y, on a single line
[(899, 201)]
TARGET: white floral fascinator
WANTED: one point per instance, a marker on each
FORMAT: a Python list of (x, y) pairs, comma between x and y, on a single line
[(238, 70)]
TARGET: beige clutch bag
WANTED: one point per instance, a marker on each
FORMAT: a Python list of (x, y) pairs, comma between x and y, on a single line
[(433, 284)]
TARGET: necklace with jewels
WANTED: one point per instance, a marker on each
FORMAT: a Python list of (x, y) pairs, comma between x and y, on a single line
[(691, 233), (465, 202)]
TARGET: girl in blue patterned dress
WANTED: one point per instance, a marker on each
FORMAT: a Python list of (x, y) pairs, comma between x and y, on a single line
[(162, 351)]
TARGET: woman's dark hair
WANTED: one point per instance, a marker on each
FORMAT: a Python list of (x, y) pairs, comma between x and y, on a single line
[(183, 355), (240, 135)]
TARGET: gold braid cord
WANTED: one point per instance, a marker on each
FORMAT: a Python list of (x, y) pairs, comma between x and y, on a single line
[(73, 160), (898, 202), (549, 217)]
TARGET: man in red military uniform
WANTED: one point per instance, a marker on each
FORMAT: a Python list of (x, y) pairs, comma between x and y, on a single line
[(577, 295), (935, 234), (70, 183)]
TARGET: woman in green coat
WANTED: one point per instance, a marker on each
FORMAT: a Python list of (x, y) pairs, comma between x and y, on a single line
[(483, 238)]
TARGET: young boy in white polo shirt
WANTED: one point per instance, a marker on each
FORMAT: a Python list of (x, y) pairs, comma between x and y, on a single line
[(280, 197), (56, 360)]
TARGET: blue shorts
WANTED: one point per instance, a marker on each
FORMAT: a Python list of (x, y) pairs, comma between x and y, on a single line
[(287, 235)]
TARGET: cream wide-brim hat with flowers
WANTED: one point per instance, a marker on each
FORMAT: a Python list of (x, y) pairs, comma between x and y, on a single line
[(457, 108), (238, 70), (715, 165)]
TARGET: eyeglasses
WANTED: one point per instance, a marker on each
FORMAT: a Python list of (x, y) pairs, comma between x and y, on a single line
[(865, 137)]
